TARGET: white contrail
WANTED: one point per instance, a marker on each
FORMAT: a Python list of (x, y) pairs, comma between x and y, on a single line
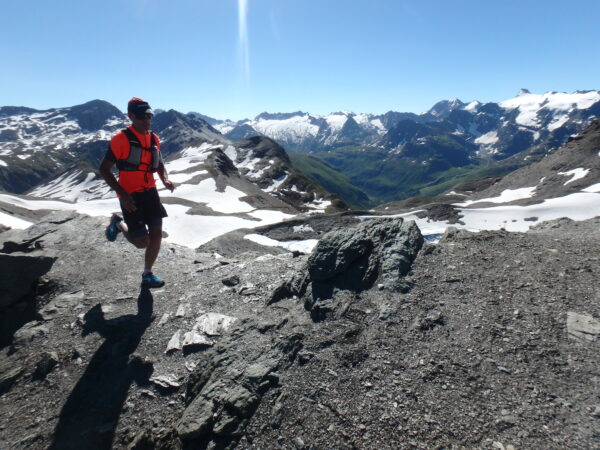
[(243, 32)]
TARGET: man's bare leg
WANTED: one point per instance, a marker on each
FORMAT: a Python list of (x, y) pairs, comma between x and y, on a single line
[(154, 241)]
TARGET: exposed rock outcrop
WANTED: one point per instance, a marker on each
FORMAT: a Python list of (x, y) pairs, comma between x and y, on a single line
[(229, 383), (353, 259)]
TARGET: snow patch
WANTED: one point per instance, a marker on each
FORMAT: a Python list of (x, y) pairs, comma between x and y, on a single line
[(305, 246), (508, 195), (575, 174), (13, 222), (489, 138)]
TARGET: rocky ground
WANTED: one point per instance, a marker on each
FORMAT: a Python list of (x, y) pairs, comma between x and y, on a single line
[(489, 341)]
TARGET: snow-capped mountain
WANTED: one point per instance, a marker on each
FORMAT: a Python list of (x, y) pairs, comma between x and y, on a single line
[(36, 144), (58, 150), (498, 130), (304, 132), (509, 127)]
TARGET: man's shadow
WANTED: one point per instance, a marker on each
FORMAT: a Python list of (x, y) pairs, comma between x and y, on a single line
[(90, 415)]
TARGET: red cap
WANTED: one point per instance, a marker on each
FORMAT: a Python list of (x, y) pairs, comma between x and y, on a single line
[(139, 106)]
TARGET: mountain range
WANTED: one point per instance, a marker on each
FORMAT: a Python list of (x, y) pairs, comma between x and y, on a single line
[(497, 130), (400, 155), (299, 158)]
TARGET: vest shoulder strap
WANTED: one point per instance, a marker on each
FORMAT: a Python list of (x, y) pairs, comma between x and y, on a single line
[(133, 139)]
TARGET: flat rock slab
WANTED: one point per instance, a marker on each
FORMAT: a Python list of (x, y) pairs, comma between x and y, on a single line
[(214, 324), (174, 343), (194, 338), (582, 326), (165, 383), (65, 302)]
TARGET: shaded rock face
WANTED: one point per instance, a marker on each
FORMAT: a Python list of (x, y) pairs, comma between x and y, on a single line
[(18, 272), (22, 263), (353, 260)]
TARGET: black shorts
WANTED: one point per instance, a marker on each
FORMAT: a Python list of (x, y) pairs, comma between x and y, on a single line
[(149, 213)]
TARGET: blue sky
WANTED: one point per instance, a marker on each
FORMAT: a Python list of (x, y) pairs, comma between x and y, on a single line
[(236, 58)]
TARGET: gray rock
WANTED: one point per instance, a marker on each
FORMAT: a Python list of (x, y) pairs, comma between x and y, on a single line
[(226, 424), (174, 343), (197, 419), (305, 356), (233, 280), (213, 324), (296, 286), (582, 326), (228, 386), (164, 319), (432, 319), (18, 272), (28, 333), (247, 290), (353, 259), (45, 365), (241, 400), (8, 378), (165, 383), (195, 338), (299, 443), (182, 310), (356, 257), (63, 303)]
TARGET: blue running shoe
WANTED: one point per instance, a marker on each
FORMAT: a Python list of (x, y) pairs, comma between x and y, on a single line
[(113, 227), (151, 280)]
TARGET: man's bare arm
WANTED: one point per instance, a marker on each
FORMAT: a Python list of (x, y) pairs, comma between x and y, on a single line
[(106, 173), (164, 177)]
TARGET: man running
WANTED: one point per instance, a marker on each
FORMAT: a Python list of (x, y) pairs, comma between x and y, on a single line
[(136, 152)]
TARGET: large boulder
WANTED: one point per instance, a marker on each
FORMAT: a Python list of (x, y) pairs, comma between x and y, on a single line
[(354, 259), (18, 273)]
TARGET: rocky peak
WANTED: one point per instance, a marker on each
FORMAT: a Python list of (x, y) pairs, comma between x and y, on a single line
[(443, 108), (177, 130), (265, 148), (93, 115)]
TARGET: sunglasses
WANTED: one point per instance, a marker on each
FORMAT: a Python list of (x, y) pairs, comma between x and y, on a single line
[(144, 116)]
